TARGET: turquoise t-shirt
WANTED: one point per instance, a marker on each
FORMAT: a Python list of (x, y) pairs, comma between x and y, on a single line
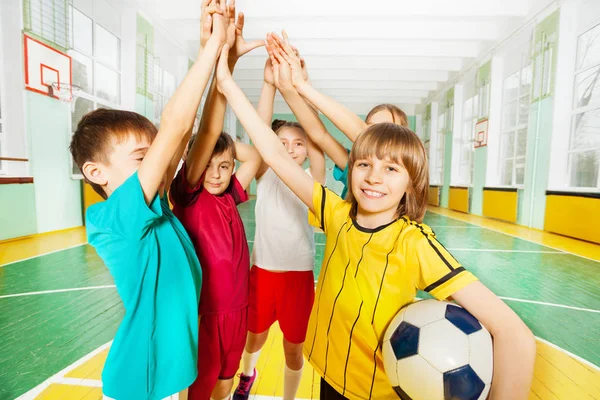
[(342, 176), (157, 274)]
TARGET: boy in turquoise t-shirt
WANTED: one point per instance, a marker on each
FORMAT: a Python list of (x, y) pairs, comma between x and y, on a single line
[(146, 249)]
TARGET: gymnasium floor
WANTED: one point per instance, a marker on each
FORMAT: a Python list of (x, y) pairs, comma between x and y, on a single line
[(59, 308)]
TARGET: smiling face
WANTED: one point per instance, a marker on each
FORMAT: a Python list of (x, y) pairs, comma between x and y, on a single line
[(378, 187), (294, 141), (218, 173), (388, 176)]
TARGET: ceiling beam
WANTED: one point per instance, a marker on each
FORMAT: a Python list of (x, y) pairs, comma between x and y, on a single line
[(383, 48), (354, 8), (361, 93), (253, 61), (349, 84), (358, 75), (382, 27)]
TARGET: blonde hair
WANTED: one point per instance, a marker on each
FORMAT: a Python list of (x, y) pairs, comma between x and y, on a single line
[(400, 145), (398, 116)]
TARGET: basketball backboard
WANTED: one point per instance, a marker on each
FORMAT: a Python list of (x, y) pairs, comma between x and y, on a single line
[(44, 66)]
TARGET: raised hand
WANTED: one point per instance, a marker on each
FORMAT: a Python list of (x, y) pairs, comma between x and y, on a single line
[(282, 69), (219, 23), (235, 36), (209, 8), (282, 50), (269, 77)]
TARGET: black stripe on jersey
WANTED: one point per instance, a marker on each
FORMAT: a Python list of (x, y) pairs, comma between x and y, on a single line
[(374, 370), (331, 316), (362, 253), (387, 258), (350, 345), (323, 195), (444, 279), (435, 248), (321, 291)]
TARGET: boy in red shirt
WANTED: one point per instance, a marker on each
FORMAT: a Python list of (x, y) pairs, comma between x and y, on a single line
[(205, 194)]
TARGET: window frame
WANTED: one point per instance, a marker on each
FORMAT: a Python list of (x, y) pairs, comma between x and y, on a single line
[(467, 136), (97, 101), (575, 111), (522, 99)]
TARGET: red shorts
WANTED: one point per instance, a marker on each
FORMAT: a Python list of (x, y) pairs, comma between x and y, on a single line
[(221, 341), (286, 297)]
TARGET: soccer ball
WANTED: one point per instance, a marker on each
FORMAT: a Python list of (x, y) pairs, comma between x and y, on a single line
[(436, 350)]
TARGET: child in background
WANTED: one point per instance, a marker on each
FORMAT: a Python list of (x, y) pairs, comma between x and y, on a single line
[(377, 255), (205, 194), (144, 246), (344, 119), (283, 257)]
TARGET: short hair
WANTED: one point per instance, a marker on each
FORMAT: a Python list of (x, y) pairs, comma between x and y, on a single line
[(398, 116), (95, 133), (278, 124), (398, 144), (224, 143)]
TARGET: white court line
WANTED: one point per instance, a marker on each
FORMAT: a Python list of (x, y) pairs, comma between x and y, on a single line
[(576, 357), (79, 382), (454, 226), (36, 391), (508, 251), (517, 237), (550, 304), (43, 254), (57, 291)]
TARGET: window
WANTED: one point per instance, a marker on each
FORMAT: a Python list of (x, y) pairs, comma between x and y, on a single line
[(513, 135), (464, 141), (96, 68), (164, 85), (437, 176), (584, 147), (48, 19)]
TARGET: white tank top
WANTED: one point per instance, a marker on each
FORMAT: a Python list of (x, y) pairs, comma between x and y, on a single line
[(283, 239)]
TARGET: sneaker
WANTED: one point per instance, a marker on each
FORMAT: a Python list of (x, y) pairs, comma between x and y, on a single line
[(243, 390)]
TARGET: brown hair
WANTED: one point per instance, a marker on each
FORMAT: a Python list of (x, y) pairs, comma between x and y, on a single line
[(278, 124), (224, 143), (398, 116), (95, 133), (400, 145)]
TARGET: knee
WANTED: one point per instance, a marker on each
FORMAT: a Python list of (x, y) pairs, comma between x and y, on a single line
[(294, 358)]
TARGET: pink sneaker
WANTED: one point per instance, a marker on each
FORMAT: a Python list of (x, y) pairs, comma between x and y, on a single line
[(243, 390)]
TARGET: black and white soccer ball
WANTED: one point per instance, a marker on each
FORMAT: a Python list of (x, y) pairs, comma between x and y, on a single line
[(436, 350)]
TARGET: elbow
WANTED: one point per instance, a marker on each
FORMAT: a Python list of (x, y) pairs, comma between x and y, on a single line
[(521, 339)]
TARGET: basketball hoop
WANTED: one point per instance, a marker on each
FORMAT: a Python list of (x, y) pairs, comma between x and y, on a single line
[(65, 92)]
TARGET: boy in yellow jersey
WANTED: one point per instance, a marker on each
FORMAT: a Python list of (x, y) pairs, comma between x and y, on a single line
[(377, 256)]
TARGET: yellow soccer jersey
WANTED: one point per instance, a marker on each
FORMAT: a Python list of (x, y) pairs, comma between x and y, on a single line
[(367, 276)]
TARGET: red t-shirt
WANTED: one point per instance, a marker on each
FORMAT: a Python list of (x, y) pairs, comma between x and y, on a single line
[(217, 232)]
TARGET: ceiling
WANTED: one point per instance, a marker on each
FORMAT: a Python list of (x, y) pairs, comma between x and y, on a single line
[(363, 53)]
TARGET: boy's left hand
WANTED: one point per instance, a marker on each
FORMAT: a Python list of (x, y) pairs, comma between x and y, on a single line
[(235, 36)]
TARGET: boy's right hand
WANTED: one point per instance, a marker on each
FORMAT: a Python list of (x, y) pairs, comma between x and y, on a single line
[(218, 35)]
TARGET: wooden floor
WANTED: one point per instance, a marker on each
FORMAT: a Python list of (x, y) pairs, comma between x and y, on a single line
[(59, 308)]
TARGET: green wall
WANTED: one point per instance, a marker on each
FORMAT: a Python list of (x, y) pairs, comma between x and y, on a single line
[(144, 102), (17, 211), (57, 196)]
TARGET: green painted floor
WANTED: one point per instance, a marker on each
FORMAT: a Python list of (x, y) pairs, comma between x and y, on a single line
[(42, 334)]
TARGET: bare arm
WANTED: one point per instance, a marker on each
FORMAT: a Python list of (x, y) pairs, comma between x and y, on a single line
[(317, 162), (251, 161), (514, 345), (265, 106), (265, 140), (211, 124), (346, 121), (182, 106)]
